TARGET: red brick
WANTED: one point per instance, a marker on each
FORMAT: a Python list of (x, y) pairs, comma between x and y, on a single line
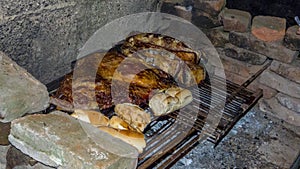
[(268, 28)]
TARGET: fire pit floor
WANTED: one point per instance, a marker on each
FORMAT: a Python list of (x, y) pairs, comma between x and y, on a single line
[(256, 141)]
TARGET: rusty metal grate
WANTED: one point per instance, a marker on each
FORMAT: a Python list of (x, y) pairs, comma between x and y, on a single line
[(169, 140), (173, 137)]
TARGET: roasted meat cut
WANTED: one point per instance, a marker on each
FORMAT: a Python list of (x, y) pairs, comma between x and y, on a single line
[(130, 73)]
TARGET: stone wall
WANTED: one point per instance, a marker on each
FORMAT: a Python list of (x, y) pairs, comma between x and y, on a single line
[(245, 44), (44, 36)]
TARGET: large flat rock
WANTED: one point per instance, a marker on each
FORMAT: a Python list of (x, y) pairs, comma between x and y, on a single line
[(273, 107), (244, 55), (280, 83), (274, 50), (20, 92), (59, 140), (289, 71)]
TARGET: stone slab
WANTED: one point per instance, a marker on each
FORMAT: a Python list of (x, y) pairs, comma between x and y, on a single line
[(268, 28), (20, 92), (212, 7), (291, 38), (280, 83), (272, 50), (236, 20), (59, 140), (218, 36), (273, 107), (204, 19), (238, 67), (289, 102), (289, 71), (244, 55), (267, 91)]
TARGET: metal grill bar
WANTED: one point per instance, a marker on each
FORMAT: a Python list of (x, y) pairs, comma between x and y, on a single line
[(239, 101), (177, 144)]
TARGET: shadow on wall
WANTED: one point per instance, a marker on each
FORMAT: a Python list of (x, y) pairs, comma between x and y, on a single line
[(282, 8)]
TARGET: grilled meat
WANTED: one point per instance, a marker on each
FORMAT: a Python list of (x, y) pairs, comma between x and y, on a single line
[(129, 75)]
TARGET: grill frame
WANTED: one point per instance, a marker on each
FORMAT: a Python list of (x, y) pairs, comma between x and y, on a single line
[(176, 147), (181, 145)]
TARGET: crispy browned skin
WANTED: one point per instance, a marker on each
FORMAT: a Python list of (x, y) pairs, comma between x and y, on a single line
[(155, 41), (124, 77)]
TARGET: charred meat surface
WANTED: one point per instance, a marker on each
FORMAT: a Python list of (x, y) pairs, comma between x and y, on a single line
[(130, 73)]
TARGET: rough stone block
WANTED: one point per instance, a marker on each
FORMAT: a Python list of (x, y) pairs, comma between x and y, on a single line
[(273, 50), (272, 106), (20, 92), (268, 28), (289, 71), (241, 40), (59, 140), (184, 12), (244, 55), (217, 36), (291, 38), (236, 20), (289, 102), (205, 20), (280, 83), (212, 7), (238, 67)]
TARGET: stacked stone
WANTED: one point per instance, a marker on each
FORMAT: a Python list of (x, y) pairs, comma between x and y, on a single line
[(244, 43), (202, 13), (265, 38), (249, 43)]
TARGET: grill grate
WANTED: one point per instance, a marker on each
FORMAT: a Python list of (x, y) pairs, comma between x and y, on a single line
[(171, 137), (177, 136)]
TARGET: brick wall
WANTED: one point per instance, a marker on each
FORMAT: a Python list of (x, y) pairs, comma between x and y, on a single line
[(245, 42)]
